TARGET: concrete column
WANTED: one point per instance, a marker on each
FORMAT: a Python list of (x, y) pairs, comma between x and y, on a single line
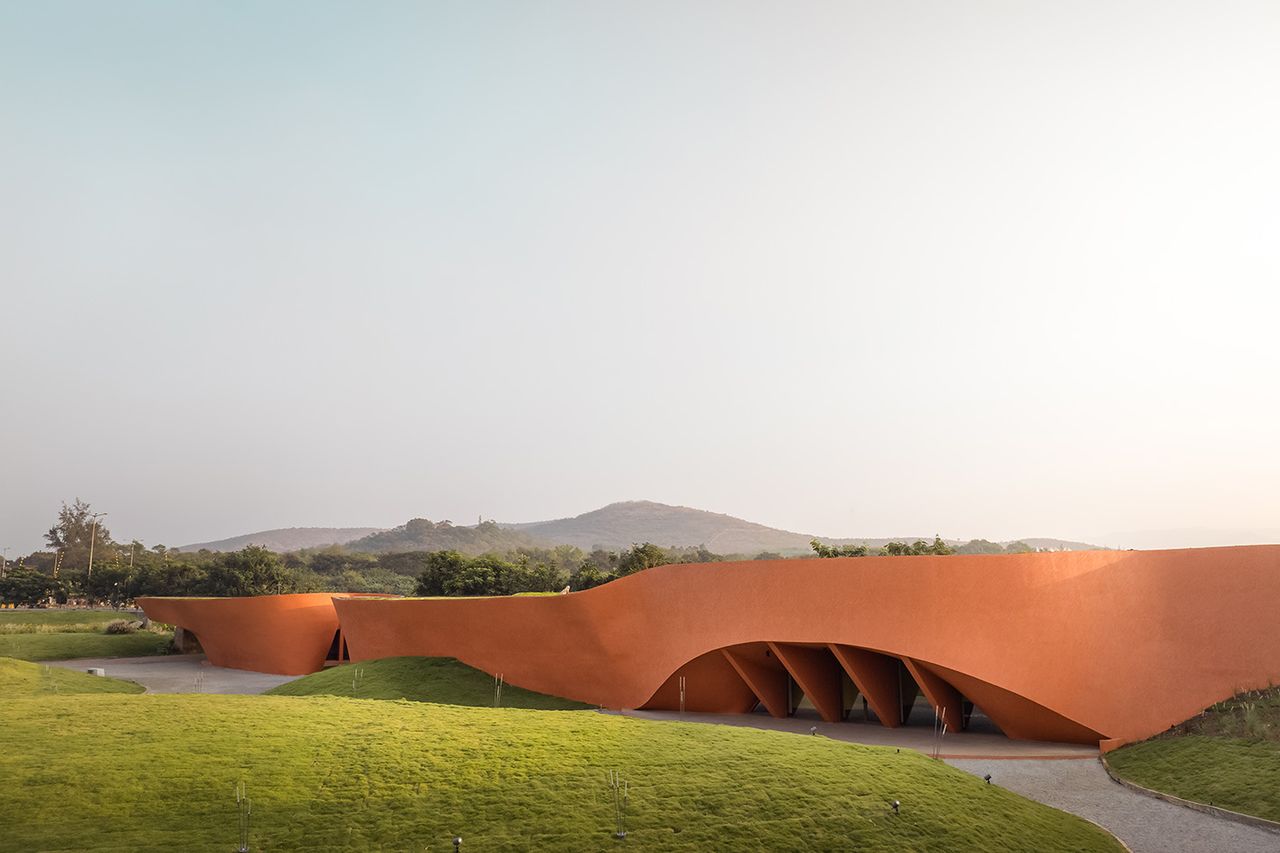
[(818, 675), (939, 693), (768, 683), (876, 677)]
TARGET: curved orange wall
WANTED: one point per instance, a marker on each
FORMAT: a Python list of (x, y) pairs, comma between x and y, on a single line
[(1079, 645), (285, 634)]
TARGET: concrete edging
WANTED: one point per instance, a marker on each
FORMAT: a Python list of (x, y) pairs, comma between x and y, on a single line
[(1118, 839), (1216, 811)]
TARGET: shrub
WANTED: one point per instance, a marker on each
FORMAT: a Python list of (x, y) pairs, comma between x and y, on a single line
[(123, 626)]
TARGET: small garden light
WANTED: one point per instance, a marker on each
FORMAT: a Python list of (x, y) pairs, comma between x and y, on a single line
[(457, 843), (895, 806)]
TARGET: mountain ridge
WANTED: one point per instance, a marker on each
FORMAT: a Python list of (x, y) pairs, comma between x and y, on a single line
[(613, 527), (285, 539)]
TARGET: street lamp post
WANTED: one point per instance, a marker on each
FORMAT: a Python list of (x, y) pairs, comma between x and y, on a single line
[(93, 533)]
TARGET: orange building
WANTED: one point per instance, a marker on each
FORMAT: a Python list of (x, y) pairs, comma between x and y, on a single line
[(1085, 646)]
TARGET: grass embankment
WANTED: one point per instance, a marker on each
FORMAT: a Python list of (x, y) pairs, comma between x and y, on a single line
[(20, 678), (343, 774), (419, 679), (1229, 756), (66, 634), (60, 620)]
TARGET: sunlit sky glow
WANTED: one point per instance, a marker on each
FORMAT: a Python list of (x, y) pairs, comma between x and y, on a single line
[(896, 268)]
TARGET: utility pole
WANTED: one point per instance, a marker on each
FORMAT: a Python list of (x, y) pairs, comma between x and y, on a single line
[(4, 558), (93, 533)]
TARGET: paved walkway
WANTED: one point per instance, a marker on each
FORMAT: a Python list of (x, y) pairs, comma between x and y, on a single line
[(1146, 824), (917, 737), (179, 674)]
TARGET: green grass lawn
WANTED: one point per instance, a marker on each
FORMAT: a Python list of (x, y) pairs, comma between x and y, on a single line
[(67, 646), (419, 679), (66, 634), (20, 678), (1229, 756), (347, 774), (1239, 775), (59, 618)]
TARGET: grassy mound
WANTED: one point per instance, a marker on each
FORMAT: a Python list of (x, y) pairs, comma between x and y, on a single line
[(20, 678), (68, 646), (61, 620), (1228, 756), (441, 680), (338, 774), (66, 634)]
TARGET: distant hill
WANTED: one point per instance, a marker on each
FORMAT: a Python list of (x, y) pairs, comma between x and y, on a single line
[(421, 534), (1060, 545), (286, 539), (621, 525), (613, 527)]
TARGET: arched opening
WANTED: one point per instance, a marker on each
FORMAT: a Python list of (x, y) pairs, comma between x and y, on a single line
[(185, 641), (842, 683)]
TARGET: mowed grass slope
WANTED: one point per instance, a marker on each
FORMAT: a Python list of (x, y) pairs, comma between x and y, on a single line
[(75, 620), (21, 678), (344, 774), (1229, 757), (66, 634), (68, 646), (419, 679)]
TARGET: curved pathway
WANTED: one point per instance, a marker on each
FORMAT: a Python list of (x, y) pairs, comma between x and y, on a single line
[(1144, 823), (178, 674)]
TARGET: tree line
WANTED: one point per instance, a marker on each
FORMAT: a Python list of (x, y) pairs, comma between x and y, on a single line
[(918, 548), (118, 573), (83, 563)]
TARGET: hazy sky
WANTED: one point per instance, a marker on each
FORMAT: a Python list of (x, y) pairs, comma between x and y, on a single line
[(981, 269)]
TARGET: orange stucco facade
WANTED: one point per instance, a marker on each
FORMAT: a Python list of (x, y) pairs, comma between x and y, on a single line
[(285, 634), (1084, 646)]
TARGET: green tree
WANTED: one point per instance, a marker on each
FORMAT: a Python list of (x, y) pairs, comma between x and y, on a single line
[(109, 583), (589, 575), (30, 588), (409, 563), (637, 558), (917, 548), (441, 567), (481, 576), (72, 535), (980, 546), (250, 571), (824, 550)]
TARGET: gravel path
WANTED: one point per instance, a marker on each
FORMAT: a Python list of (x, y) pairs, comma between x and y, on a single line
[(1146, 824), (179, 674)]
